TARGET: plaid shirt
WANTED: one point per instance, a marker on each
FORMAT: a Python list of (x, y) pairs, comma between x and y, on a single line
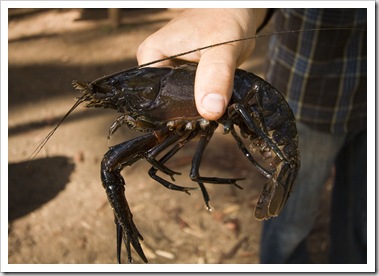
[(323, 74)]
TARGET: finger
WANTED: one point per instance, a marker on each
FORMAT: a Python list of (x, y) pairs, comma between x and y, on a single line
[(214, 81), (147, 53), (158, 46)]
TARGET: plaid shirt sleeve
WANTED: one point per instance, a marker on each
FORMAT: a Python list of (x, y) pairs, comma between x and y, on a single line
[(323, 74)]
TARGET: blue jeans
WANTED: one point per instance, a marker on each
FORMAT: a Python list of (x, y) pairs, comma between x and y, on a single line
[(284, 237)]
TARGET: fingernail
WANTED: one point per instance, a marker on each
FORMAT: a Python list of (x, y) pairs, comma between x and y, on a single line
[(213, 103)]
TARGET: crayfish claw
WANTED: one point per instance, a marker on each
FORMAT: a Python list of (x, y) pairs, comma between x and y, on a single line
[(130, 236), (119, 240), (128, 251), (137, 247)]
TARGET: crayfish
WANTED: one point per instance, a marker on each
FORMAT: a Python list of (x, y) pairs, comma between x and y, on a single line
[(160, 103)]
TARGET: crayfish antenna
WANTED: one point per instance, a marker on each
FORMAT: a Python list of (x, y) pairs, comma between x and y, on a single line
[(240, 40), (48, 136)]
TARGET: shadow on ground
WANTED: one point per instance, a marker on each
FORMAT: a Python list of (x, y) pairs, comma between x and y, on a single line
[(46, 178)]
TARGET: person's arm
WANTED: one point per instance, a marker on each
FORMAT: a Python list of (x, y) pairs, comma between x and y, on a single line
[(195, 28)]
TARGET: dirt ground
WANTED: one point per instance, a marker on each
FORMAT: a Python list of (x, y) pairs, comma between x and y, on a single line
[(58, 210)]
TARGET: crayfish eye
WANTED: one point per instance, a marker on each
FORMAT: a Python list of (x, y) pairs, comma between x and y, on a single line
[(146, 97), (147, 94)]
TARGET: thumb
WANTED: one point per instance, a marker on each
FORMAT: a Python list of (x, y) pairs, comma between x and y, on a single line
[(214, 82)]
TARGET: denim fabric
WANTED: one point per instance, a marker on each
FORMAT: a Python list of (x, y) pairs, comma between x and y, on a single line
[(349, 205), (283, 238)]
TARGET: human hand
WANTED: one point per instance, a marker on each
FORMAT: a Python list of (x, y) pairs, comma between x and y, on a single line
[(195, 28)]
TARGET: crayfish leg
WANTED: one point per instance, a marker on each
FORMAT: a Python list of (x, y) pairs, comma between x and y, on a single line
[(205, 196), (248, 155), (257, 129), (205, 137), (152, 154), (180, 139), (189, 135)]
